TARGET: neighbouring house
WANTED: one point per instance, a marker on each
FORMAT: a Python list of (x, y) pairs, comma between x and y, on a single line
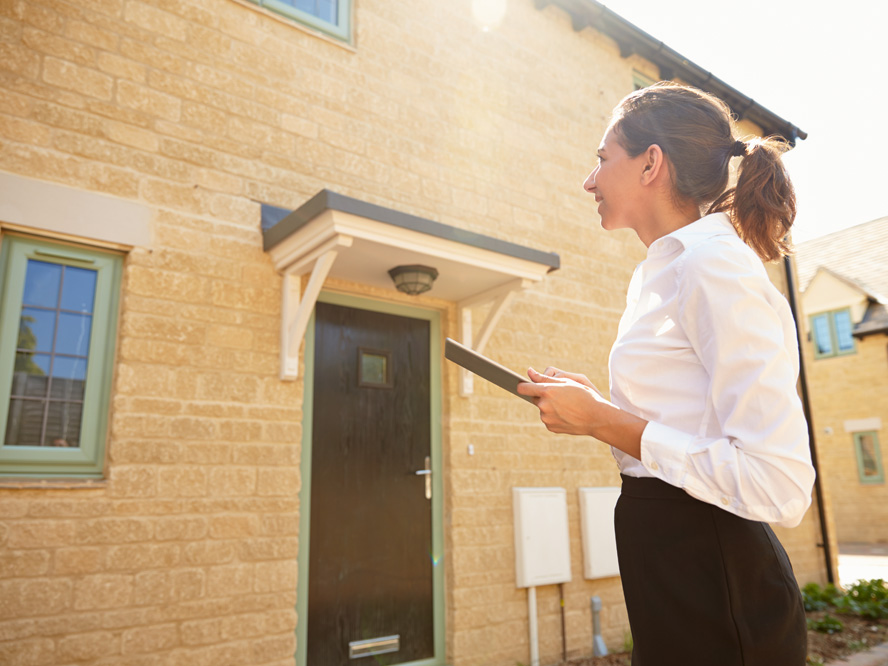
[(228, 438), (844, 278)]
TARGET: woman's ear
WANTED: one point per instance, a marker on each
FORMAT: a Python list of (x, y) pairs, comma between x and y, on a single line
[(654, 164)]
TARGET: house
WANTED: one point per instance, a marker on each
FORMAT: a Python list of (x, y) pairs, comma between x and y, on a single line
[(227, 435), (845, 280)]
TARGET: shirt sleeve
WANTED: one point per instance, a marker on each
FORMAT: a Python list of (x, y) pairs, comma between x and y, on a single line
[(759, 464)]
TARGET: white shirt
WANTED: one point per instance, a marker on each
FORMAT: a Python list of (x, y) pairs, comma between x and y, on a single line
[(707, 353)]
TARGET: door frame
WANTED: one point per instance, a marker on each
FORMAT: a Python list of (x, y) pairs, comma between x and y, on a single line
[(435, 389)]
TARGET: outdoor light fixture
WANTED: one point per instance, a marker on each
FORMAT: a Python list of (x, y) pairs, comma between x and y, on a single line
[(413, 280)]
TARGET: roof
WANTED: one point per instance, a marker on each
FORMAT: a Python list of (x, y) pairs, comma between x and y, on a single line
[(632, 39), (874, 321), (278, 224), (858, 254)]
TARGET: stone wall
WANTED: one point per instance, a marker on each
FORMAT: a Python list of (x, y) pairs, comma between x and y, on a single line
[(187, 552)]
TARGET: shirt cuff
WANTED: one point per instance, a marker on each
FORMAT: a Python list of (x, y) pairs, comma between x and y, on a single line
[(664, 453)]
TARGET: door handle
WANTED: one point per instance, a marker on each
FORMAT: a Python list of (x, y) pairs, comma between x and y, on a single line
[(427, 473)]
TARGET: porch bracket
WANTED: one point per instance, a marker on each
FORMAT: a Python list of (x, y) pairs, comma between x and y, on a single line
[(499, 297), (296, 310)]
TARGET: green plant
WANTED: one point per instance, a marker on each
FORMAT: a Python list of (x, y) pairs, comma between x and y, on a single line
[(827, 625), (627, 642), (817, 598), (858, 646), (867, 599), (814, 661)]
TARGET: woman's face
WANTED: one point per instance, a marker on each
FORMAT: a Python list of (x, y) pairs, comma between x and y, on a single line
[(615, 182)]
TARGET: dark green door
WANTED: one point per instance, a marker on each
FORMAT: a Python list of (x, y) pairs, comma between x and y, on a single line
[(370, 594)]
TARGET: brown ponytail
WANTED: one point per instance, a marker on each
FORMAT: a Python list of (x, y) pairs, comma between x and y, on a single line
[(696, 133), (762, 206)]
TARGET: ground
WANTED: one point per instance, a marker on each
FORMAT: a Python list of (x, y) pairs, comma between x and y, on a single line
[(858, 634)]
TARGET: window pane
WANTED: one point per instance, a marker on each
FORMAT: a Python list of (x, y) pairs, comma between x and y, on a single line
[(36, 329), (822, 340), (68, 378), (843, 331), (73, 335), (78, 289), (42, 282), (63, 424), (868, 455), (326, 10), (24, 423), (31, 375)]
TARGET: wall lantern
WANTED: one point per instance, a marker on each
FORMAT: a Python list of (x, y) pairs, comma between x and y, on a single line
[(413, 279)]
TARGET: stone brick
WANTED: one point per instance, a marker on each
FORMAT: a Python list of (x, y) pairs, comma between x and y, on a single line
[(89, 646), (40, 534), (15, 564), (73, 77), (277, 481), (34, 597), (150, 639), (278, 576), (103, 591), (148, 101), (19, 60), (155, 20), (182, 482), (235, 579), (139, 557), (78, 561), (35, 652)]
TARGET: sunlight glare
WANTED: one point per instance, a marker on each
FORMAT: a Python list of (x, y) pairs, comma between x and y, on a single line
[(488, 13)]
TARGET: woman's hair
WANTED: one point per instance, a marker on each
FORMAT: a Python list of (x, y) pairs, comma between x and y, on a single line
[(695, 131)]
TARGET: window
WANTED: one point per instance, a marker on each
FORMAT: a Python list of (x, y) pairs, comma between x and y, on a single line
[(869, 458), (330, 16), (831, 333), (58, 317), (640, 80)]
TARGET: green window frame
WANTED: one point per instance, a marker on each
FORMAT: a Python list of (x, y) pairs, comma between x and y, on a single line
[(869, 457), (330, 16), (832, 333), (61, 367)]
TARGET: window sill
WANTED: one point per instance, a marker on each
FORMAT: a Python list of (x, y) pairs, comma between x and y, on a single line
[(52, 484)]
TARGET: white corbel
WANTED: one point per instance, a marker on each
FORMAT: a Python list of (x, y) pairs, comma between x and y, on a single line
[(295, 309), (500, 297)]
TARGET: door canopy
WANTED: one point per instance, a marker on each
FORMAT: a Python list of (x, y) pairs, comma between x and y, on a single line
[(335, 236)]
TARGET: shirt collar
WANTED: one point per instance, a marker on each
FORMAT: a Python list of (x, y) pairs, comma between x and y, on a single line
[(708, 226)]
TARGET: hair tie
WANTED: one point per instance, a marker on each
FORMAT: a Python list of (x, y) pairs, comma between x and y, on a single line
[(738, 149)]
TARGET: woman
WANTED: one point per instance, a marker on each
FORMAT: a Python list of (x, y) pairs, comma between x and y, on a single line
[(704, 418)]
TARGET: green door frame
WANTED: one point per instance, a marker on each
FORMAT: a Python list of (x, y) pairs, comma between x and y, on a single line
[(437, 554)]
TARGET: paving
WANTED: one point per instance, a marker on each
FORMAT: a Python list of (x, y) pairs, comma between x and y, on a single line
[(863, 561)]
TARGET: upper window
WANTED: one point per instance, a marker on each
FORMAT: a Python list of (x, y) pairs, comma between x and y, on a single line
[(869, 458), (330, 16), (832, 333), (58, 315)]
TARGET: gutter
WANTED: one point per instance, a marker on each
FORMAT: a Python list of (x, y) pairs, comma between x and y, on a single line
[(806, 407), (633, 40)]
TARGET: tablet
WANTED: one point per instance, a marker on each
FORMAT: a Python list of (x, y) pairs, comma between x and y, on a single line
[(484, 367)]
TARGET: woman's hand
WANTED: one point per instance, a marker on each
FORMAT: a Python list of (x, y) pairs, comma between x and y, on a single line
[(569, 403)]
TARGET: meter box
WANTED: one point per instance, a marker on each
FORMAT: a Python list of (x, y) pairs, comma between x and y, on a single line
[(597, 526), (542, 540)]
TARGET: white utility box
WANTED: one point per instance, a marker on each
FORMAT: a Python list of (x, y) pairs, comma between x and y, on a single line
[(597, 523), (542, 540)]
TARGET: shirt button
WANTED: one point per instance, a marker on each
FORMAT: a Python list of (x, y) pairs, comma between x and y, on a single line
[(725, 501), (655, 466)]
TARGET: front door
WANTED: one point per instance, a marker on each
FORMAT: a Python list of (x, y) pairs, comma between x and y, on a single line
[(370, 588)]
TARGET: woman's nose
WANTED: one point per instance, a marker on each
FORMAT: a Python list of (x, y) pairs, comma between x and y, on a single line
[(589, 184)]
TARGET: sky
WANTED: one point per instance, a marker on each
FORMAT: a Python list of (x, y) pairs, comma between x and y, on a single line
[(821, 66)]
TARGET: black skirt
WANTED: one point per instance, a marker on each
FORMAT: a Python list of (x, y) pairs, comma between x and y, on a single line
[(704, 587)]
